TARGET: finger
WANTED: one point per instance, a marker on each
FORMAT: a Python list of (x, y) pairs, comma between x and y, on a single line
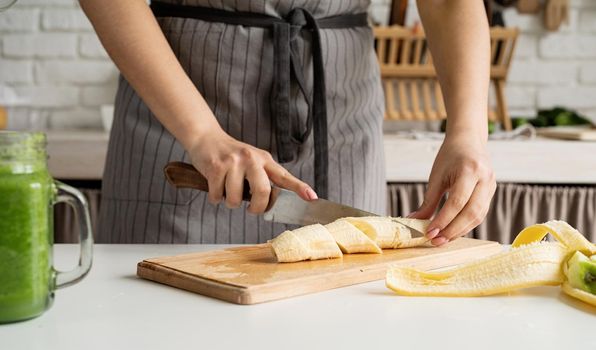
[(282, 178), (472, 214), (234, 186), (459, 195), (432, 196), (260, 189), (216, 183), (439, 241)]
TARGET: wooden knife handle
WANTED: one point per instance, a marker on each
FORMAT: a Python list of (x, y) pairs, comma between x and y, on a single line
[(184, 175)]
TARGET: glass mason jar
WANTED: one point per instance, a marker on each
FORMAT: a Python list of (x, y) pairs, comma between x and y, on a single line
[(27, 197)]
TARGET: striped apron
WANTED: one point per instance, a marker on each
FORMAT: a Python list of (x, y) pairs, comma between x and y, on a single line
[(233, 66)]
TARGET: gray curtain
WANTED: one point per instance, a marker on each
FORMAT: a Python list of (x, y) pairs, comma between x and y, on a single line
[(514, 207)]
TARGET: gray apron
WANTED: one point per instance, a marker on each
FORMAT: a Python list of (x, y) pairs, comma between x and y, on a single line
[(233, 68)]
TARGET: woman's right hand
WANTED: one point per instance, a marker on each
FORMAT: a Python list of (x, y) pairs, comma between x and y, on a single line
[(226, 162), (175, 101)]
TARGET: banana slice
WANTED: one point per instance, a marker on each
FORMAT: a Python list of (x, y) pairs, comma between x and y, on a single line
[(288, 247), (418, 225), (306, 243), (350, 239), (388, 232), (352, 235)]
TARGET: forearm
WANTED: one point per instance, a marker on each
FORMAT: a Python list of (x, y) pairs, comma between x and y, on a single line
[(458, 37), (133, 39)]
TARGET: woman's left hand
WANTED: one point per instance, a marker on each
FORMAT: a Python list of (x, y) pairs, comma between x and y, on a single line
[(462, 169)]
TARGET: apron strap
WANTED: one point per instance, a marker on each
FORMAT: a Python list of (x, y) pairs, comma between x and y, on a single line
[(288, 132)]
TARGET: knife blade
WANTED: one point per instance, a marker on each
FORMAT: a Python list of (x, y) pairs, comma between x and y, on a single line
[(288, 208), (284, 207)]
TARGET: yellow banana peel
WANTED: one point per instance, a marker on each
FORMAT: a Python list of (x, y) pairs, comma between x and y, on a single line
[(530, 262)]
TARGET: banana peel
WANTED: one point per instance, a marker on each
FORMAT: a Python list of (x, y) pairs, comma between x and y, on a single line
[(530, 262)]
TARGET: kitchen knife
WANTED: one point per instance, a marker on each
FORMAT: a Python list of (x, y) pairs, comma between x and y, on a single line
[(284, 206)]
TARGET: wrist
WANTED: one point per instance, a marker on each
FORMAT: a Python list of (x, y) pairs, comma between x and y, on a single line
[(469, 130), (197, 134), (479, 136)]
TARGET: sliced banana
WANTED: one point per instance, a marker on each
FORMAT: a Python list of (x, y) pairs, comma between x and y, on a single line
[(390, 233), (350, 239), (288, 247), (306, 243), (352, 235), (417, 224)]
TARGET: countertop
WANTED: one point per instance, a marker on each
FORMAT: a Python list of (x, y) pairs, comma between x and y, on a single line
[(113, 309), (78, 155)]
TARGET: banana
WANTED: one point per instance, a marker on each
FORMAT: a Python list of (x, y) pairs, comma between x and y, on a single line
[(352, 235), (388, 232), (417, 224), (531, 265), (306, 243), (528, 263), (561, 230), (579, 294), (350, 239)]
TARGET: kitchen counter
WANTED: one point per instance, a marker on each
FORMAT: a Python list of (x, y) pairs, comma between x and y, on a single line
[(113, 309), (80, 155), (537, 161), (77, 155)]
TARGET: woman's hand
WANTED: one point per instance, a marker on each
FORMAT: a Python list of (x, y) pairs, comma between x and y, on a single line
[(226, 162), (462, 169)]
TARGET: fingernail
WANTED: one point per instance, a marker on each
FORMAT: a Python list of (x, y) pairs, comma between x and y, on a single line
[(438, 241), (432, 233), (412, 214), (310, 193)]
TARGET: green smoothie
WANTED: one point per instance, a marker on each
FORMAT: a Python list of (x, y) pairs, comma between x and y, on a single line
[(26, 192)]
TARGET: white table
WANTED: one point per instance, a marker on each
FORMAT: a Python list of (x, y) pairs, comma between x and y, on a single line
[(538, 161), (113, 309)]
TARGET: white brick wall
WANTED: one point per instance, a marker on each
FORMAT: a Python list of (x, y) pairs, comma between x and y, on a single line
[(560, 67), (50, 55)]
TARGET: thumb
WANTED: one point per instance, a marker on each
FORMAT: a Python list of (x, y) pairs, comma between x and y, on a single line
[(432, 196)]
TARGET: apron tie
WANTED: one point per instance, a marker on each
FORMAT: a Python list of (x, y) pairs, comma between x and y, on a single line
[(287, 65), (287, 68)]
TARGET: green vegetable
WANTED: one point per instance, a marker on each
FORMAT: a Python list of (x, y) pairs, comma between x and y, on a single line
[(491, 126), (517, 122), (581, 272)]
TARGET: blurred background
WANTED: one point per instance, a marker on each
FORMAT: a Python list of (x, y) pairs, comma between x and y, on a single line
[(56, 77), (55, 74)]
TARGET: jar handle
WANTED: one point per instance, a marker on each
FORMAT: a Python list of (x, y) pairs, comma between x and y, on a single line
[(74, 198)]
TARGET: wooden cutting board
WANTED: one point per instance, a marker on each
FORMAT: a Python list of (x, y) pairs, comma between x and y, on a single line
[(568, 133), (251, 274)]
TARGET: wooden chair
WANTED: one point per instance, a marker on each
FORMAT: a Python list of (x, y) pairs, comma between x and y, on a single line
[(412, 91)]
